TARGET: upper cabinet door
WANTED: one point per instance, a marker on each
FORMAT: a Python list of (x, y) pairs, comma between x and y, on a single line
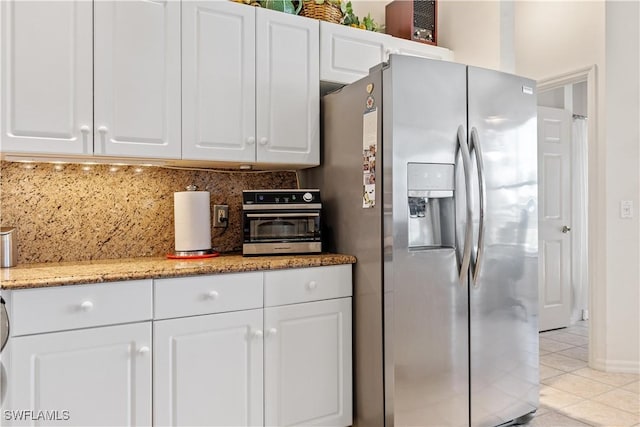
[(287, 89), (46, 77), (218, 81), (348, 53), (137, 78)]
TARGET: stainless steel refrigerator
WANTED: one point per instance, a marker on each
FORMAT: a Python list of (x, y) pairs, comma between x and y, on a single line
[(429, 177)]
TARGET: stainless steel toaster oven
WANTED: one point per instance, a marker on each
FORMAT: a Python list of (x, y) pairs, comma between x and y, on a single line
[(281, 222)]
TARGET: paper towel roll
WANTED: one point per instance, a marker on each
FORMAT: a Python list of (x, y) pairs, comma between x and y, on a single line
[(192, 215)]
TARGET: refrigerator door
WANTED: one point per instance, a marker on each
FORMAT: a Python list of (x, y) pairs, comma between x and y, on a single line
[(503, 292), (425, 303)]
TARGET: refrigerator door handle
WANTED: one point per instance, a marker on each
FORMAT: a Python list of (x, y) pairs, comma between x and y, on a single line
[(474, 145), (468, 234)]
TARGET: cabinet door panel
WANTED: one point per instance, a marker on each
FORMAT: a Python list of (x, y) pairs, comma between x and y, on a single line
[(46, 77), (137, 78), (208, 370), (348, 53), (287, 89), (99, 375), (308, 364), (218, 81)]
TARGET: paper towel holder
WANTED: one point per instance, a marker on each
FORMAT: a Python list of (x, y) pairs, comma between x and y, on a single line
[(196, 253)]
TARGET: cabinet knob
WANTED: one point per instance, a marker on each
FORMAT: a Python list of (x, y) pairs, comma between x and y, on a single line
[(143, 350), (264, 140), (312, 285), (251, 140), (257, 334), (272, 331), (213, 295), (86, 305), (103, 129), (85, 129)]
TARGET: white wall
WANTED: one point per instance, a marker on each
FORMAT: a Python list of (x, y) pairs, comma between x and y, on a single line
[(553, 38), (471, 29), (375, 7), (552, 98), (580, 99), (622, 151)]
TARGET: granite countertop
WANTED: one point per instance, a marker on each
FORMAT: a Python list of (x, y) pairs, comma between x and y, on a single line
[(74, 273)]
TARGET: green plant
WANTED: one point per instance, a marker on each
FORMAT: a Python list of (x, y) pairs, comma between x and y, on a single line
[(351, 19), (370, 24)]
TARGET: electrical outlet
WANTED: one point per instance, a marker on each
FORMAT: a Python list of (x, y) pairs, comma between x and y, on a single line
[(220, 216)]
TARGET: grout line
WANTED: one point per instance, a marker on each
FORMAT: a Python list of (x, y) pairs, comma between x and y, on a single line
[(560, 411)]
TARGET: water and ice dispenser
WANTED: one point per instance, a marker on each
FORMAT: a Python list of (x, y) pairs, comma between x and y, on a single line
[(431, 205)]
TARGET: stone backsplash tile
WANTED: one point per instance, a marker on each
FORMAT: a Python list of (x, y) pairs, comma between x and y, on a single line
[(75, 212)]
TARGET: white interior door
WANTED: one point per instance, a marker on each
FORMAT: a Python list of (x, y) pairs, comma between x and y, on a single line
[(554, 171)]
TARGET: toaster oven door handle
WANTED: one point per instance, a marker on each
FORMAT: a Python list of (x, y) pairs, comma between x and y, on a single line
[(283, 215)]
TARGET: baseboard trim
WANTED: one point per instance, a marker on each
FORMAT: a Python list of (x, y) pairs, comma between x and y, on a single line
[(618, 366)]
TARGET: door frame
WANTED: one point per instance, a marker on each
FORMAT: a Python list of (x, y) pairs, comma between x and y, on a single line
[(597, 291)]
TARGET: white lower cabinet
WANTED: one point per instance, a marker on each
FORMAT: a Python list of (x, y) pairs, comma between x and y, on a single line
[(290, 360), (247, 349), (307, 364), (208, 370), (88, 377)]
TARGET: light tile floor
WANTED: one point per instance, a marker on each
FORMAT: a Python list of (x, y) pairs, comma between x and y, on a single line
[(572, 394)]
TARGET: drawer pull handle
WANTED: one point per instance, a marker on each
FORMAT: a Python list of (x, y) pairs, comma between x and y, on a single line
[(143, 350), (213, 295), (257, 334), (86, 306), (312, 285), (272, 331)]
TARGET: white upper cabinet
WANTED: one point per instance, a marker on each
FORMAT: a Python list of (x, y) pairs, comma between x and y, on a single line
[(137, 78), (218, 81), (54, 80), (408, 47), (46, 77), (287, 89), (347, 54), (250, 77)]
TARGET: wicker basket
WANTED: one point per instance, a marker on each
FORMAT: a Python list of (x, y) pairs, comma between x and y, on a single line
[(326, 11)]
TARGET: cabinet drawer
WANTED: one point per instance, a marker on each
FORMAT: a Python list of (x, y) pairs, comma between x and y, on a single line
[(306, 284), (189, 296), (73, 307)]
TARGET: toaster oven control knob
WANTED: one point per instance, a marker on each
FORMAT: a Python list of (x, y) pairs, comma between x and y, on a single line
[(307, 197)]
